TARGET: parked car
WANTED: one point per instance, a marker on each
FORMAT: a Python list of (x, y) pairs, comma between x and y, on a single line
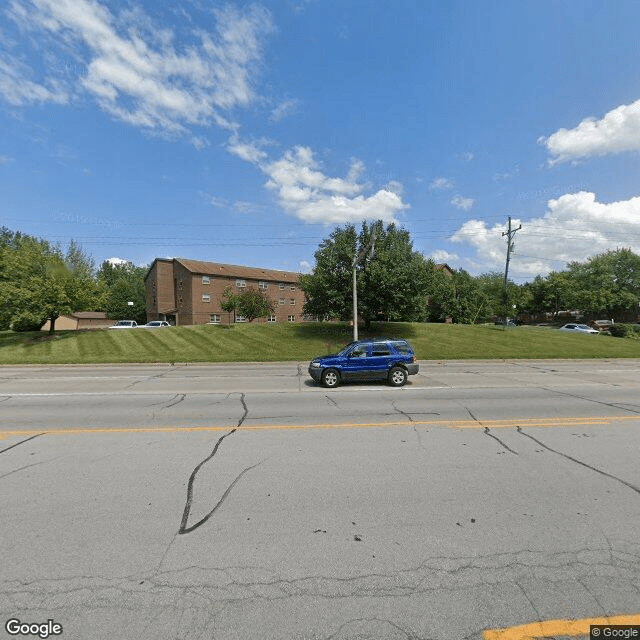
[(507, 322), (578, 328), (377, 359), (602, 325), (124, 324), (156, 324)]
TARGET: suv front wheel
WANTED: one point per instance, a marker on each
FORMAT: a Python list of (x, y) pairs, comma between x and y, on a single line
[(397, 376), (330, 378)]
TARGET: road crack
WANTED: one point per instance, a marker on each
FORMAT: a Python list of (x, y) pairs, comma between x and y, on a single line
[(487, 432), (401, 412), (187, 507), (613, 405), (332, 401), (23, 441), (584, 464)]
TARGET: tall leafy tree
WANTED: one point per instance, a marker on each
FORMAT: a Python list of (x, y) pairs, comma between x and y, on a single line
[(253, 303), (122, 283), (555, 293), (41, 282), (607, 283), (459, 297), (392, 278)]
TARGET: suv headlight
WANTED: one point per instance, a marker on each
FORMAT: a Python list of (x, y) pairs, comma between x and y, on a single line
[(315, 365)]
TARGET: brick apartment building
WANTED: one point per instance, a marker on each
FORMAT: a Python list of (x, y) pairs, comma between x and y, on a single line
[(187, 292)]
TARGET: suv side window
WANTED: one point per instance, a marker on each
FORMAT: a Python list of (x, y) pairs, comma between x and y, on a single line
[(380, 349), (358, 352), (403, 348)]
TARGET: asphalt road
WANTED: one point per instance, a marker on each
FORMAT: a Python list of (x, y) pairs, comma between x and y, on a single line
[(483, 500)]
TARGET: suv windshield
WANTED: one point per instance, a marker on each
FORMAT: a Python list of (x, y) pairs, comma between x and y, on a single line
[(345, 350)]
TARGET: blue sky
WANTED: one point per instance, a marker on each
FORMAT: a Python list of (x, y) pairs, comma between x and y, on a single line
[(245, 132)]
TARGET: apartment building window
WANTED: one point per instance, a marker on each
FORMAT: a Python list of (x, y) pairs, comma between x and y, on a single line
[(241, 284), (214, 318), (206, 297), (281, 285), (271, 318), (292, 302), (291, 318), (281, 300), (293, 287), (240, 319), (206, 280), (263, 285)]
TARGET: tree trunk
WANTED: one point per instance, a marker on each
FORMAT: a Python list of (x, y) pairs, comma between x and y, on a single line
[(52, 322)]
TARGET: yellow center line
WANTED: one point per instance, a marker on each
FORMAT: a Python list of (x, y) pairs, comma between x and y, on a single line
[(551, 628), (448, 424)]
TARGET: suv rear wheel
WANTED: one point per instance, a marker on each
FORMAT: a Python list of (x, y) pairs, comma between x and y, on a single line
[(330, 378), (397, 376)]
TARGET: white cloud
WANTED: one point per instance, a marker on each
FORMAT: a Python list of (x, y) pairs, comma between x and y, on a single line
[(441, 184), (284, 109), (214, 201), (117, 261), (135, 72), (17, 89), (500, 176), (462, 203), (304, 266), (575, 227), (617, 131), (440, 255), (247, 151), (395, 187), (306, 192), (199, 143)]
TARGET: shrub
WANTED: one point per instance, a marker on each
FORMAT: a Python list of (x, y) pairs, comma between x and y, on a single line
[(619, 330), (27, 321)]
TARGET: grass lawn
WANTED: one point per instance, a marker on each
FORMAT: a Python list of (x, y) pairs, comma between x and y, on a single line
[(300, 342)]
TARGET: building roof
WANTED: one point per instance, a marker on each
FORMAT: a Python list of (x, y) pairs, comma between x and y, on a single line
[(236, 271), (90, 315), (443, 266)]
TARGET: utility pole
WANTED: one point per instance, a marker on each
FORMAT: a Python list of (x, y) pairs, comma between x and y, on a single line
[(369, 249), (510, 233)]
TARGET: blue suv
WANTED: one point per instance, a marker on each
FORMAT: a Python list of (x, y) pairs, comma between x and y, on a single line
[(376, 359)]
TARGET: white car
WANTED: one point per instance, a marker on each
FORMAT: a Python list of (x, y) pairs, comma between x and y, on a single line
[(156, 324), (124, 324), (578, 328)]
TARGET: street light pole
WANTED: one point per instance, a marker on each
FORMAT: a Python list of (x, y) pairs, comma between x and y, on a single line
[(355, 304), (366, 252)]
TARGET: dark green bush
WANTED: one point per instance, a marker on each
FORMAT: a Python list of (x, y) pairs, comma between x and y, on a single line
[(27, 321), (619, 330)]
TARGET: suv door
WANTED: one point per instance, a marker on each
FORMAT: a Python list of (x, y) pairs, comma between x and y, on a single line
[(354, 366), (379, 362)]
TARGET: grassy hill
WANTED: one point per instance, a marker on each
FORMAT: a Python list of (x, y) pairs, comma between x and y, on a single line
[(300, 342)]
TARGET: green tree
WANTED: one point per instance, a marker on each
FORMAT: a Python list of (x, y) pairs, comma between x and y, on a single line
[(555, 293), (328, 289), (459, 297), (41, 282), (253, 303), (120, 284), (392, 280), (229, 301), (607, 283)]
